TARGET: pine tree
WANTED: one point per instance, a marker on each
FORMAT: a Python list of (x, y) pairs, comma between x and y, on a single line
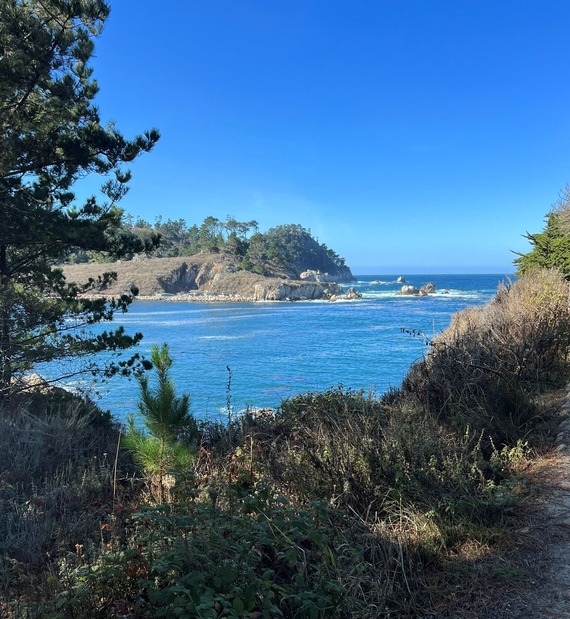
[(167, 445), (51, 136)]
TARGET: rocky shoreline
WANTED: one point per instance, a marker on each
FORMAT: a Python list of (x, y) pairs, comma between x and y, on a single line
[(204, 278), (216, 278), (196, 296)]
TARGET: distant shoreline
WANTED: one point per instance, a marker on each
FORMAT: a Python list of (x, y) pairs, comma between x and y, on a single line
[(204, 297), (196, 297)]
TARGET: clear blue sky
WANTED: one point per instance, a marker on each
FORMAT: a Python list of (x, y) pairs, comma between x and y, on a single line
[(408, 135)]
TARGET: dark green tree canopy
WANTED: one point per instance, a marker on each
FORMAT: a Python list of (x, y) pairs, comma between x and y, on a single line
[(289, 249), (51, 136), (551, 247), (283, 251)]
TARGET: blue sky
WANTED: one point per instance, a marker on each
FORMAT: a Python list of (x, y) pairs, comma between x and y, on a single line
[(408, 135)]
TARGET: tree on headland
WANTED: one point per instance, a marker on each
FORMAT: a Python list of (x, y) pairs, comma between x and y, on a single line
[(551, 247), (289, 249), (283, 251), (51, 136)]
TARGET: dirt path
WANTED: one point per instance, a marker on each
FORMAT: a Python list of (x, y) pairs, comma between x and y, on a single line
[(543, 545)]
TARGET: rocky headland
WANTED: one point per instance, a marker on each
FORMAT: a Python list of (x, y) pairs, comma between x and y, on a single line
[(207, 277)]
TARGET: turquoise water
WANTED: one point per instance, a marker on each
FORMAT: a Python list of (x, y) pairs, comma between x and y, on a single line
[(276, 350)]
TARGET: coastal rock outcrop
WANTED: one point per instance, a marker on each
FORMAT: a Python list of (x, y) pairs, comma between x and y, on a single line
[(315, 276), (412, 291), (203, 277), (294, 291), (352, 294), (179, 279)]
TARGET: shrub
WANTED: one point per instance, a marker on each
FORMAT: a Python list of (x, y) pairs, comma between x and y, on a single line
[(368, 457), (484, 371), (263, 558)]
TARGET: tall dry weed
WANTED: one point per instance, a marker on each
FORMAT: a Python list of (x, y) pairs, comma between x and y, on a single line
[(485, 369), (56, 473)]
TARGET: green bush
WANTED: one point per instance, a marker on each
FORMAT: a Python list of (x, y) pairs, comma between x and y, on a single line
[(369, 457), (264, 558)]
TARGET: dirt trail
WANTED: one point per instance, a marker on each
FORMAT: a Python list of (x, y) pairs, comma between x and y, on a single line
[(544, 543)]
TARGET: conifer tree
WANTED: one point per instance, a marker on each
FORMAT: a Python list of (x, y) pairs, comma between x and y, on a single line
[(550, 248), (51, 136), (167, 445)]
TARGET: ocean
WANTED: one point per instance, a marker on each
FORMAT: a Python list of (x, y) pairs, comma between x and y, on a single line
[(274, 350)]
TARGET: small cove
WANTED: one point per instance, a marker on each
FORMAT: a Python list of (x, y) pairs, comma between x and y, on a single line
[(276, 350)]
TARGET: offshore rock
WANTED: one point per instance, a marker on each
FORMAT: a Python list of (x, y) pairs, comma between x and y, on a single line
[(353, 294), (428, 288), (410, 290)]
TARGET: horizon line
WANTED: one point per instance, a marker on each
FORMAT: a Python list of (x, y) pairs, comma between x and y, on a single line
[(372, 270)]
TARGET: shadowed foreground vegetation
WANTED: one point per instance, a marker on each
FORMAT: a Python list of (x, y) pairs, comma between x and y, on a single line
[(340, 504)]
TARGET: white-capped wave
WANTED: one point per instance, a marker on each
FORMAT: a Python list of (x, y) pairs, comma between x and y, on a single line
[(439, 294), (380, 282), (457, 294), (222, 337), (380, 294)]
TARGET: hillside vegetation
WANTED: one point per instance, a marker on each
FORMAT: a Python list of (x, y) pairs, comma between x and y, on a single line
[(339, 504), (284, 251), (551, 247)]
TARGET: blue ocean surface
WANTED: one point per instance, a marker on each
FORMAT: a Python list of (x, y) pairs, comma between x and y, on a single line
[(275, 350)]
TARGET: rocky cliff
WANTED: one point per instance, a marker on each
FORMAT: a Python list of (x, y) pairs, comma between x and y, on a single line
[(202, 277)]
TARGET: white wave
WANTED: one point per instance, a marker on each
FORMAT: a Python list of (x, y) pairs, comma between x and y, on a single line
[(440, 295), (222, 337), (380, 294), (458, 294), (164, 323), (138, 311)]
